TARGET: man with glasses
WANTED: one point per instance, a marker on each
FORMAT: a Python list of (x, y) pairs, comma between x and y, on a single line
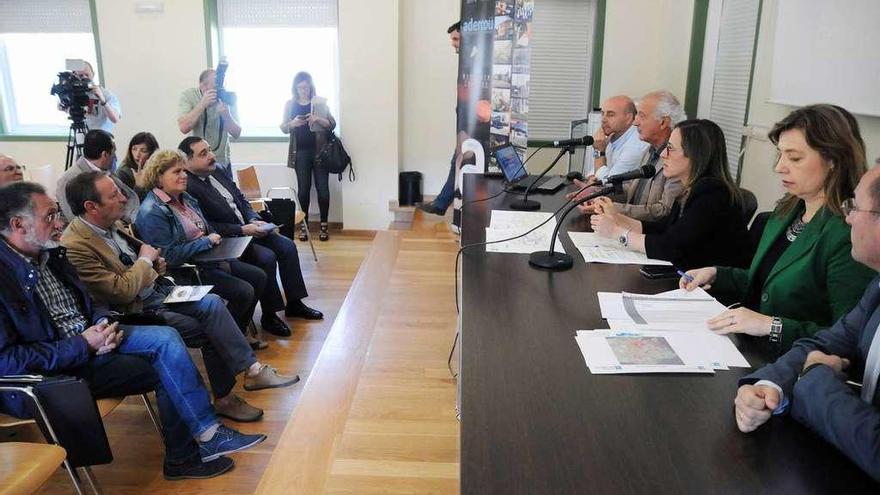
[(10, 170), (99, 152), (810, 381), (127, 275), (49, 325)]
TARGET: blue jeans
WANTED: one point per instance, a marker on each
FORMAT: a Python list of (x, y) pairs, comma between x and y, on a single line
[(447, 194), (184, 405)]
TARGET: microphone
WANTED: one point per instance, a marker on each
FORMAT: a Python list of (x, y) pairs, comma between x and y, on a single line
[(581, 141), (550, 260), (645, 172)]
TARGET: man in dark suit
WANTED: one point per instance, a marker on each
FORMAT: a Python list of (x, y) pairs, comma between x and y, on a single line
[(230, 214), (809, 381)]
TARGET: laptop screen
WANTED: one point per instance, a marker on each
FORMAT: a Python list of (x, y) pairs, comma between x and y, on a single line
[(510, 163)]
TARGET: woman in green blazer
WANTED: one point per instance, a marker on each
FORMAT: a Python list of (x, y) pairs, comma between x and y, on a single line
[(803, 277)]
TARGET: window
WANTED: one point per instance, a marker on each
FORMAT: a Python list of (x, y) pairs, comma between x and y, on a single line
[(266, 43), (36, 38)]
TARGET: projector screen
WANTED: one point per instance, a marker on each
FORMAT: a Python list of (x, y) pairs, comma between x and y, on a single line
[(827, 52)]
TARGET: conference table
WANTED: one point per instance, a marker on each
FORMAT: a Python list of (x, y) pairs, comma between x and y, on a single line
[(534, 420)]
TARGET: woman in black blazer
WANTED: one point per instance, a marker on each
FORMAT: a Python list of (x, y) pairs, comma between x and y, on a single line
[(706, 224)]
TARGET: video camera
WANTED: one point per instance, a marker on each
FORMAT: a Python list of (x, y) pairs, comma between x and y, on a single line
[(225, 96), (73, 90)]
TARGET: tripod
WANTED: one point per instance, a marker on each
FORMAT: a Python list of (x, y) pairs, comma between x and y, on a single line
[(75, 137)]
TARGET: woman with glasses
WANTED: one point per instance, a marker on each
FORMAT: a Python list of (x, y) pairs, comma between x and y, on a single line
[(803, 277), (706, 224), (10, 171)]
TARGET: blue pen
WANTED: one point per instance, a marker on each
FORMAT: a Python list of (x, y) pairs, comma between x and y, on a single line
[(684, 275)]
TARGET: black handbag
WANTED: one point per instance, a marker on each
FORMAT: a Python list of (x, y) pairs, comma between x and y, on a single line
[(334, 159)]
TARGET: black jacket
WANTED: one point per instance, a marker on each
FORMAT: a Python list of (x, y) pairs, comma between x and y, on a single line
[(214, 206)]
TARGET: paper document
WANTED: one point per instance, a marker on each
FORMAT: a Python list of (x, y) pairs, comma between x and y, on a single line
[(507, 224), (187, 293), (610, 352), (597, 249), (669, 310), (267, 227)]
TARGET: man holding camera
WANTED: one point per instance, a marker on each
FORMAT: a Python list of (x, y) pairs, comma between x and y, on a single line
[(103, 110), (204, 113)]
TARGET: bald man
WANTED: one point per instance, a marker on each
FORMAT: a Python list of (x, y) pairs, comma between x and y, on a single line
[(616, 144), (10, 170)]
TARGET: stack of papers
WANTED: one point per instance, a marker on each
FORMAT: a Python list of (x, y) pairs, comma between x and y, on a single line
[(597, 249), (660, 333), (507, 224)]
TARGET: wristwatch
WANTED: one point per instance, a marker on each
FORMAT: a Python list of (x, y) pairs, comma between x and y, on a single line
[(623, 239), (776, 330), (597, 153)]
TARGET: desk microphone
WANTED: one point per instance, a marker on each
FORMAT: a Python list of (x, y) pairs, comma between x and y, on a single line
[(645, 172), (581, 141), (550, 260)]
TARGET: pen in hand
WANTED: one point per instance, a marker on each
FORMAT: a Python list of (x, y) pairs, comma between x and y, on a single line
[(684, 275)]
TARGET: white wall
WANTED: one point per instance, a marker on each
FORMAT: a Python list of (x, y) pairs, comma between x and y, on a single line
[(757, 172), (428, 71)]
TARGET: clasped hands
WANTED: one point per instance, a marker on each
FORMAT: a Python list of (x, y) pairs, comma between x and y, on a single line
[(103, 337), (255, 229), (754, 404)]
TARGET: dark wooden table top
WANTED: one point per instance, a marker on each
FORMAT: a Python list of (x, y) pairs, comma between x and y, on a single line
[(534, 420)]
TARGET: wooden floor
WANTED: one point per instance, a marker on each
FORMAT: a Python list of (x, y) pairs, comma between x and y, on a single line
[(375, 412)]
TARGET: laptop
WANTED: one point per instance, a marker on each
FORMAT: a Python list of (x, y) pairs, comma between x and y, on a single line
[(518, 177)]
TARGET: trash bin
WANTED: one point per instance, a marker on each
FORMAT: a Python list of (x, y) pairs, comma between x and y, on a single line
[(409, 188)]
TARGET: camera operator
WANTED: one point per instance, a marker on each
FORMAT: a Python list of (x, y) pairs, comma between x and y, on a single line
[(203, 114), (103, 109)]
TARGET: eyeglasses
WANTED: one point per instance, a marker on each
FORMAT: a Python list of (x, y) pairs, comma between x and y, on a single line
[(13, 168), (849, 206)]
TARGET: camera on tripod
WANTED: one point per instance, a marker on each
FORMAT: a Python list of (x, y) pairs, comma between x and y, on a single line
[(73, 90), (225, 96)]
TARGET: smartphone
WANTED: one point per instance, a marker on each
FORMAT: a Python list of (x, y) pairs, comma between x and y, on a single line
[(655, 272)]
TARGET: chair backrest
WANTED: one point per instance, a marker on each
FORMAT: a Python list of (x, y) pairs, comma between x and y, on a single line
[(749, 204), (248, 182)]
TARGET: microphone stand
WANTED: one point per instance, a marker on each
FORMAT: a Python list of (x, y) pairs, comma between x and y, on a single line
[(550, 260), (529, 204)]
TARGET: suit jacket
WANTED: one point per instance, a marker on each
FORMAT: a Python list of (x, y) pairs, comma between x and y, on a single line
[(704, 228), (822, 401), (814, 282), (29, 342), (82, 166), (107, 278), (217, 211)]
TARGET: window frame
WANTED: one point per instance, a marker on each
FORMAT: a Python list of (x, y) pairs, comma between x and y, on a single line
[(96, 38), (214, 49)]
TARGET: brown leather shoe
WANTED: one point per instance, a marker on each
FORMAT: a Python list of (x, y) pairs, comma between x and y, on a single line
[(235, 408), (268, 377)]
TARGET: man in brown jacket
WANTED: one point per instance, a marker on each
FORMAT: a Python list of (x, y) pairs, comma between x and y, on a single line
[(132, 281)]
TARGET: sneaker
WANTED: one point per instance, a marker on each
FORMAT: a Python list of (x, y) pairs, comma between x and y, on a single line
[(268, 377), (227, 441), (197, 470), (235, 408), (431, 208)]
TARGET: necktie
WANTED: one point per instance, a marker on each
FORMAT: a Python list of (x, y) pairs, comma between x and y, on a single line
[(872, 369)]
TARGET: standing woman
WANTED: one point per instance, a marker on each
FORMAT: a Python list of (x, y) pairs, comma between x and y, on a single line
[(308, 121), (141, 146)]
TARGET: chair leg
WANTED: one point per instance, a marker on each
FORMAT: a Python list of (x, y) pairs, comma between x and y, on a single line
[(74, 477), (90, 477), (309, 237), (153, 417)]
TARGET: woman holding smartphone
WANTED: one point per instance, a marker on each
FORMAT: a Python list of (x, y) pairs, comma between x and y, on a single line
[(308, 121)]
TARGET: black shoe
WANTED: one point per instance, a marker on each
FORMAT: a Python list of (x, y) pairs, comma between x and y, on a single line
[(303, 232), (275, 325), (324, 235), (300, 310), (197, 470), (431, 208)]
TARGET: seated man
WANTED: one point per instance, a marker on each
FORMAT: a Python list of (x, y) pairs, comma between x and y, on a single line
[(809, 381), (10, 170), (99, 152), (131, 280), (49, 325), (230, 214), (616, 145), (649, 199)]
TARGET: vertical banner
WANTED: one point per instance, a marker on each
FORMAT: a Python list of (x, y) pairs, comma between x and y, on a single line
[(494, 72)]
